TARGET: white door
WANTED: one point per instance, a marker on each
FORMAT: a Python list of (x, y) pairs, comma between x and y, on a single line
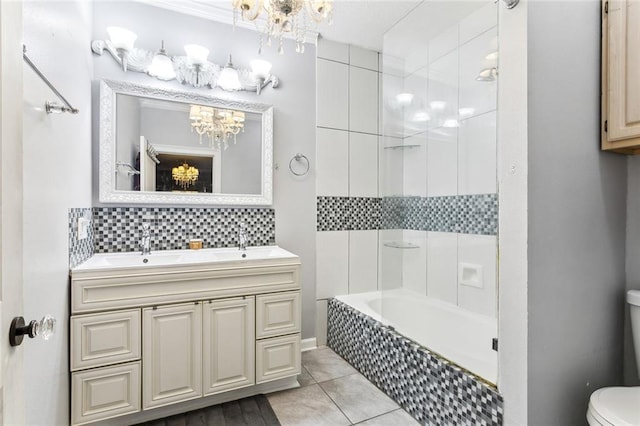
[(147, 167), (229, 344), (171, 354), (12, 409)]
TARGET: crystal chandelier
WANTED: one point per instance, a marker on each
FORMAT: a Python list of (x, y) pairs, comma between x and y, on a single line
[(219, 125), (282, 17), (185, 175)]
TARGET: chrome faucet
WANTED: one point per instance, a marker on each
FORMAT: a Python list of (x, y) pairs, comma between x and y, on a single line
[(145, 241), (242, 236)]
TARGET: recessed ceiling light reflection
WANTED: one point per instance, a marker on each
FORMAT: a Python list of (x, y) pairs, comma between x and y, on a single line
[(450, 123), (404, 99), (491, 56), (421, 116), (466, 112), (437, 105)]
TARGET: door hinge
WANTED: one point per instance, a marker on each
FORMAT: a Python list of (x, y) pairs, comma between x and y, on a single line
[(606, 125), (606, 7), (494, 344)]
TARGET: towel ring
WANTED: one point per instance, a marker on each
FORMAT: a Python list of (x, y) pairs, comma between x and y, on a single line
[(299, 157)]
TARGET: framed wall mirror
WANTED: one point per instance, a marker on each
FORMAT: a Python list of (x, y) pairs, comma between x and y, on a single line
[(161, 146)]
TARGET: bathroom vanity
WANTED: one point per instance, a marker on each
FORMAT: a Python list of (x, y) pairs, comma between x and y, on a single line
[(148, 333)]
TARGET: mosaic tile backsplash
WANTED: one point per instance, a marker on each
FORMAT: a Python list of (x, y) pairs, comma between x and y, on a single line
[(80, 250), (428, 387), (465, 214), (118, 229)]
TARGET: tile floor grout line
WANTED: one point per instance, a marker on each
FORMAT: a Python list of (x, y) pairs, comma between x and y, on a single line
[(334, 402)]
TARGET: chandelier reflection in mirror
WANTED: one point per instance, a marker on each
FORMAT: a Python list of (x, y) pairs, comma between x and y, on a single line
[(283, 17), (219, 125), (185, 175), (193, 68)]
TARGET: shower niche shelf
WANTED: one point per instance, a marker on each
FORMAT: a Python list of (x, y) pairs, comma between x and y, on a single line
[(394, 147), (401, 245)]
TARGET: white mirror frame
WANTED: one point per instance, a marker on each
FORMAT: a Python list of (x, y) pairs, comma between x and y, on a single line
[(107, 164)]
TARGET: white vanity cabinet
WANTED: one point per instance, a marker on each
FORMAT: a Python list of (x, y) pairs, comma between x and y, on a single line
[(149, 342), (172, 348)]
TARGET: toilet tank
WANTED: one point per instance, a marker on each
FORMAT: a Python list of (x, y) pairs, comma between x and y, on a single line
[(633, 299)]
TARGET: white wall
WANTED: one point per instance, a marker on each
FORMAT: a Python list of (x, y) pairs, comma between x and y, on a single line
[(293, 102), (347, 151), (57, 167), (631, 373), (577, 218)]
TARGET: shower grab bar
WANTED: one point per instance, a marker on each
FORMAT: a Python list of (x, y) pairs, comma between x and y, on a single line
[(50, 107)]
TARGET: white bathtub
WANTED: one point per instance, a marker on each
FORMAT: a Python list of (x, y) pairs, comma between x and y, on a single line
[(455, 334)]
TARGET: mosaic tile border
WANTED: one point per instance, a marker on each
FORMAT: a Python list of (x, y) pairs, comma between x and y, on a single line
[(348, 213), (118, 229), (465, 214), (80, 250), (427, 386)]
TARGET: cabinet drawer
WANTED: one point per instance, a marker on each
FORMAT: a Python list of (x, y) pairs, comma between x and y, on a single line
[(277, 358), (277, 314), (102, 339), (103, 393)]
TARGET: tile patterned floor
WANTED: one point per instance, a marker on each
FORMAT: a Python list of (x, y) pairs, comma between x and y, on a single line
[(332, 392)]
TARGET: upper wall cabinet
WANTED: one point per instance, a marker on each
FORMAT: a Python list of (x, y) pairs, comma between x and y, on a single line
[(621, 76)]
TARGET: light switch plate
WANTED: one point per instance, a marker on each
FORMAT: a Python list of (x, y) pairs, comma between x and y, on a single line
[(83, 228)]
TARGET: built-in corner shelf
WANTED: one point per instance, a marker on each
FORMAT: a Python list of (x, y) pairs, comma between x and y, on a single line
[(401, 245), (394, 147)]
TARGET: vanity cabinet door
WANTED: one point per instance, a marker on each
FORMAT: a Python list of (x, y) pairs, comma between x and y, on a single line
[(620, 71), (229, 344), (171, 354), (277, 314)]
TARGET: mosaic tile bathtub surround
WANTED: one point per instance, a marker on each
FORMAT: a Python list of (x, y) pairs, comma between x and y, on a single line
[(428, 387), (465, 214), (118, 229), (80, 250)]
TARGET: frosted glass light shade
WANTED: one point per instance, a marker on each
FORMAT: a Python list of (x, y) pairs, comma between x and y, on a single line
[(122, 38), (261, 68), (197, 54), (162, 67), (229, 79)]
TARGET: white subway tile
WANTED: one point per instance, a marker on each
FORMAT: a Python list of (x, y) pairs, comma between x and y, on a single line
[(442, 162), (390, 260), (415, 165), (478, 251), (332, 264), (333, 50), (363, 58), (478, 96), (414, 262), (442, 263), (443, 43), (332, 154), (363, 261), (479, 21), (363, 100), (332, 94), (363, 165), (442, 97), (477, 155)]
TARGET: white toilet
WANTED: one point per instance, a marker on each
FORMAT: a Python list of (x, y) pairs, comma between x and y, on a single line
[(620, 406)]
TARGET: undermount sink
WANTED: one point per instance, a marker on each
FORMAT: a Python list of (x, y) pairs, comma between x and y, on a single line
[(168, 258)]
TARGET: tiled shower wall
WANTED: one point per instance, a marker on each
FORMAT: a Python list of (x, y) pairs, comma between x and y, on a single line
[(426, 180), (118, 229), (348, 201), (448, 157)]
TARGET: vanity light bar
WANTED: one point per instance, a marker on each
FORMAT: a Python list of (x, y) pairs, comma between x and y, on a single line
[(193, 68)]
